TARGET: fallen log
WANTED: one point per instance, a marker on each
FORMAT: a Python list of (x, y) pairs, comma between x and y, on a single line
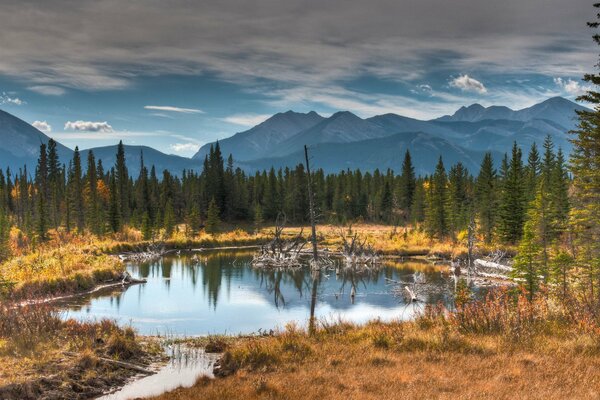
[(492, 265), (122, 364)]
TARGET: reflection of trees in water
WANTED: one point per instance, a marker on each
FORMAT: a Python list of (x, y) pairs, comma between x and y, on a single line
[(272, 280), (216, 269)]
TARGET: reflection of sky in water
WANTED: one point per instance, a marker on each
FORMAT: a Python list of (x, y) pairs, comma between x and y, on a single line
[(221, 293)]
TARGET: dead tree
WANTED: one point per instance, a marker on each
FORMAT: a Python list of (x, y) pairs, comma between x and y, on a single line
[(311, 203), (357, 252), (280, 252)]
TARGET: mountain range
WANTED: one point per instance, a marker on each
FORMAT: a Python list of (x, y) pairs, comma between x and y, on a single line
[(340, 141)]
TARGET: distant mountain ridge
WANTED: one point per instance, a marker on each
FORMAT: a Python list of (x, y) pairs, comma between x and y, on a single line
[(473, 129), (340, 141)]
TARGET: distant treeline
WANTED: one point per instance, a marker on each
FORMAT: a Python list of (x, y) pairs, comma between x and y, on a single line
[(85, 195)]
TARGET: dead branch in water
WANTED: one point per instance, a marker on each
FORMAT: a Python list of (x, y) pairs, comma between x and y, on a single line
[(357, 252), (280, 252)]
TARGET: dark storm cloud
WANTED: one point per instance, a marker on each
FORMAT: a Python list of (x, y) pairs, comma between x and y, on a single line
[(106, 44)]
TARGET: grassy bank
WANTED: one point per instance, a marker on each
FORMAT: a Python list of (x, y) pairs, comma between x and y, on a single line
[(42, 356), (72, 264), (503, 348)]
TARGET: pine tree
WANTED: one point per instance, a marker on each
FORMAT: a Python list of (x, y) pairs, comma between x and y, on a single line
[(212, 218), (258, 217), (114, 211), (486, 197), (417, 208), (76, 184), (93, 209), (458, 203), (169, 219), (527, 266), (41, 183), (533, 172), (585, 167), (407, 185), (122, 184), (436, 221), (55, 184), (194, 219), (512, 205)]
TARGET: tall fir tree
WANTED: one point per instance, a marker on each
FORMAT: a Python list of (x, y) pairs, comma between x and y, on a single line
[(41, 183), (407, 186), (486, 198), (436, 220), (513, 200)]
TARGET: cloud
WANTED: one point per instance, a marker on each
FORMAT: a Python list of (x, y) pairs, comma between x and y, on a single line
[(6, 99), (571, 87), (246, 119), (184, 147), (468, 84), (89, 126), (47, 90), (175, 109), (42, 126), (289, 42)]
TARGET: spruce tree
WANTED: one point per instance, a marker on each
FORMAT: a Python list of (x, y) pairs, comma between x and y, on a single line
[(585, 167), (41, 183), (486, 197), (212, 218), (122, 184), (512, 205), (527, 266), (77, 187), (93, 209), (55, 184), (114, 210), (407, 185), (436, 221)]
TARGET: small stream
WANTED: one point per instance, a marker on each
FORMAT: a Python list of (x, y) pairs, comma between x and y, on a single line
[(184, 368)]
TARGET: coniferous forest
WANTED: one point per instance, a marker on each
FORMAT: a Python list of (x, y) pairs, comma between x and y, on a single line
[(84, 195)]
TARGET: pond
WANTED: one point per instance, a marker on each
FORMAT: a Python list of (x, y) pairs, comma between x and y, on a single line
[(218, 292)]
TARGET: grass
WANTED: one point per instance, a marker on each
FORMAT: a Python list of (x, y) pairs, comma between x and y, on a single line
[(504, 347), (42, 354)]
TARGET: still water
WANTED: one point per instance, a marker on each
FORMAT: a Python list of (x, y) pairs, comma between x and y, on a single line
[(218, 292)]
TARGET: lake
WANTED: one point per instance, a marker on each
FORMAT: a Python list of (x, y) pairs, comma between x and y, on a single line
[(219, 292)]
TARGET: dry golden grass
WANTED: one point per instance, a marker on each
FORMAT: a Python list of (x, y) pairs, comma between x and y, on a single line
[(402, 360), (41, 354), (504, 347)]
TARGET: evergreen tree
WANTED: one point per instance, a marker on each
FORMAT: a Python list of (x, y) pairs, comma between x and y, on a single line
[(527, 266), (486, 197), (407, 185), (41, 183), (77, 199), (114, 211), (93, 209), (169, 219), (122, 184), (585, 167), (55, 184), (436, 221), (533, 172), (458, 204), (212, 218), (512, 205), (258, 217)]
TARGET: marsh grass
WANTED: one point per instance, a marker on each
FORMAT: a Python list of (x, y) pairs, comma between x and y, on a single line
[(503, 346)]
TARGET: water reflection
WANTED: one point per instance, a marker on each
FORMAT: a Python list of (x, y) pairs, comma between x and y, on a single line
[(219, 292)]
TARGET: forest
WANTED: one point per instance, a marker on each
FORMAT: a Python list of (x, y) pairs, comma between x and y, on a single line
[(525, 201)]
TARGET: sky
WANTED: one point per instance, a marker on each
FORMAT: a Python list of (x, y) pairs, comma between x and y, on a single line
[(175, 74)]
